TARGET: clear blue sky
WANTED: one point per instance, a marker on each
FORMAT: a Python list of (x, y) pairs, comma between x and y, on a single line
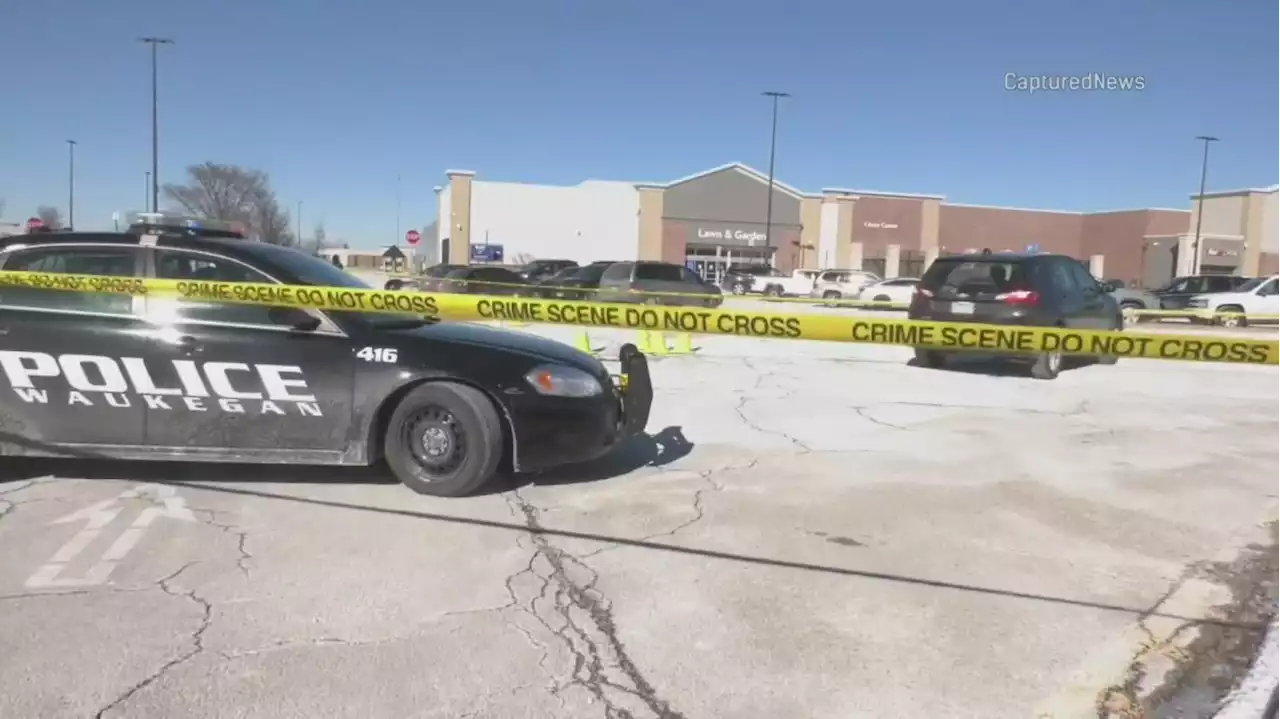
[(334, 99)]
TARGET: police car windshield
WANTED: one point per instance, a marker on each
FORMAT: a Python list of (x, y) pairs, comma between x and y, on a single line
[(311, 270), (307, 269)]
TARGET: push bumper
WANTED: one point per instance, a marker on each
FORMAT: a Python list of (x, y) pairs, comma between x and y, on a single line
[(635, 389), (552, 432)]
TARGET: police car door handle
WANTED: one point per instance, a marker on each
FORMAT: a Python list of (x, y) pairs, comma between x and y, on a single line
[(189, 345)]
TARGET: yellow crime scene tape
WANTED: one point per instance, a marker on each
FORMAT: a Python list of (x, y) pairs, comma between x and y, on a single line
[(540, 288), (765, 325), (1201, 314)]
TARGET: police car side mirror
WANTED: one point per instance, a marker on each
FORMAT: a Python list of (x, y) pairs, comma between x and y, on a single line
[(293, 318)]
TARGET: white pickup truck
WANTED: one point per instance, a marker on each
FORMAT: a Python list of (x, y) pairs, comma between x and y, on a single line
[(1254, 302), (799, 284)]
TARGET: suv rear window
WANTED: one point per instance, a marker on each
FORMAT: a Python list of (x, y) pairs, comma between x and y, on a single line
[(617, 272), (659, 272), (590, 273), (975, 277)]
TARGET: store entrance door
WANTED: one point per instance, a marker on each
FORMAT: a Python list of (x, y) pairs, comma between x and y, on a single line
[(711, 262)]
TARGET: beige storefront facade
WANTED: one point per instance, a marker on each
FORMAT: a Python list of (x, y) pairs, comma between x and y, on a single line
[(724, 215)]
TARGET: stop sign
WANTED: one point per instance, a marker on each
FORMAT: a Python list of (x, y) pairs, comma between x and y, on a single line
[(412, 237)]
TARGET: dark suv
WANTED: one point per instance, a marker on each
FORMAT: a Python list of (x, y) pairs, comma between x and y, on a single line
[(657, 283), (1178, 292), (1038, 290)]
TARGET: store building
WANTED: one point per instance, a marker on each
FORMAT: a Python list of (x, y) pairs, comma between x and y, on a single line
[(721, 216)]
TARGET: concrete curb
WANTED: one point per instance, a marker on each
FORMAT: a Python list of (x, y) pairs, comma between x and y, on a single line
[(1121, 679), (1250, 699)]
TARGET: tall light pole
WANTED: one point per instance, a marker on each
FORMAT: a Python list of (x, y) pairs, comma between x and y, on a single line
[(146, 193), (773, 148), (71, 184), (299, 223), (1204, 175), (155, 42)]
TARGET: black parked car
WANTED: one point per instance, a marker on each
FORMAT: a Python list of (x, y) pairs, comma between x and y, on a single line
[(428, 282), (484, 280), (575, 283), (657, 283), (542, 269), (1038, 290)]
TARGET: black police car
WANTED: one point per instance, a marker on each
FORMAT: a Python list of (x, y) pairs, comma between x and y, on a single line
[(448, 405), (1006, 288)]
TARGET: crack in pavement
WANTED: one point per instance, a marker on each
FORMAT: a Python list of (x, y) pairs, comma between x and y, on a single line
[(196, 638), (581, 618), (862, 412), (242, 536), (698, 510), (742, 402)]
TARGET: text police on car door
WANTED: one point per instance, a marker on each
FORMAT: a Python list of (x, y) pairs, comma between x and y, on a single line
[(96, 380)]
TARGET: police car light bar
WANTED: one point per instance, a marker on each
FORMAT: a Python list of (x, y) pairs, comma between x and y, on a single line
[(184, 224)]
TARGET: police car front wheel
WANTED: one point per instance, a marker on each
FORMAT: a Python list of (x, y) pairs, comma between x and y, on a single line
[(444, 439)]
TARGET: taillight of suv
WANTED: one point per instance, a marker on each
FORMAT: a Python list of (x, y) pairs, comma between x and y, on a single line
[(1019, 297)]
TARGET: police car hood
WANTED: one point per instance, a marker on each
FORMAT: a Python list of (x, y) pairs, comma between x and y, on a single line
[(523, 343)]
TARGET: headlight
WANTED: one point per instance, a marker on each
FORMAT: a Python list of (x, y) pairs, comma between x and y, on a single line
[(560, 381)]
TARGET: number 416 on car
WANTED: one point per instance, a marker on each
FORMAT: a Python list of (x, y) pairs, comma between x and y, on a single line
[(377, 354)]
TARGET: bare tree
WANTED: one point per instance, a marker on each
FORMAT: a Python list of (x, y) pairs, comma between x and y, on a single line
[(50, 216), (231, 193), (319, 234)]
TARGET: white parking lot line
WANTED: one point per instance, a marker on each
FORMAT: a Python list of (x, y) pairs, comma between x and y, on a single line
[(98, 517)]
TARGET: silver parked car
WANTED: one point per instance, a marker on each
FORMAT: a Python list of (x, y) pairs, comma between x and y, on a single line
[(834, 285), (1132, 301)]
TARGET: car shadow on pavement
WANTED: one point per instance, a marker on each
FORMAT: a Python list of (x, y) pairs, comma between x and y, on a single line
[(17, 469), (997, 367), (87, 464), (646, 450)]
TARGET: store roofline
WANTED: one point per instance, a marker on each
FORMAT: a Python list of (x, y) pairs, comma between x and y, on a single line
[(1241, 191), (850, 192), (1082, 213), (881, 193), (746, 170)]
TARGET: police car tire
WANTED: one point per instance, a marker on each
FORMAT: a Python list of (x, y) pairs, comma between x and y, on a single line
[(480, 424), (932, 359)]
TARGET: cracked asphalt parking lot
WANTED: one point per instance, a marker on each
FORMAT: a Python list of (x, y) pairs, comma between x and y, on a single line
[(814, 531)]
